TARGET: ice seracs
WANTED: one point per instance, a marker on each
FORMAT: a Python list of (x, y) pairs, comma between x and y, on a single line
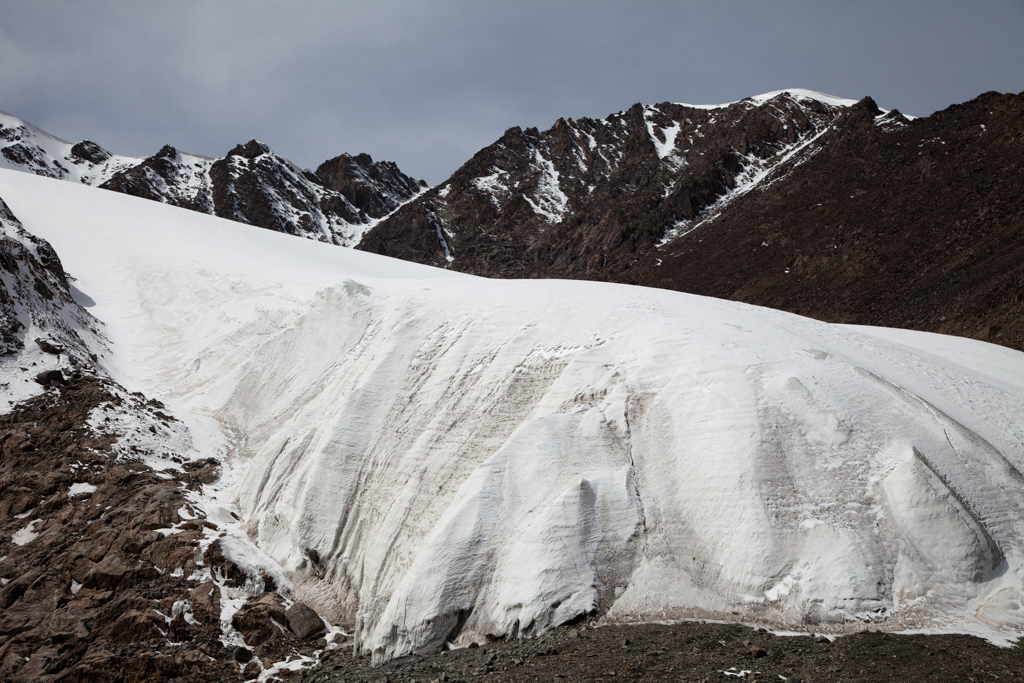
[(435, 456)]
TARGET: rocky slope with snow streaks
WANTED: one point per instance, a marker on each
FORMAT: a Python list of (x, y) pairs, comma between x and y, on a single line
[(795, 200), (568, 199)]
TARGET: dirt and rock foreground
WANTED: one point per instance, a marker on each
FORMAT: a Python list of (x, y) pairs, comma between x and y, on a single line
[(108, 572)]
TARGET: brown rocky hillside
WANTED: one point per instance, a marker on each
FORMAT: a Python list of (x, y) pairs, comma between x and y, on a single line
[(842, 213)]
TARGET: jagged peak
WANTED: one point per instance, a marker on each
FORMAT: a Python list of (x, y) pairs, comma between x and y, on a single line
[(167, 152), (88, 150), (250, 150)]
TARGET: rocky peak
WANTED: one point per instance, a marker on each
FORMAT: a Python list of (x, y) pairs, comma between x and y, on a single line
[(250, 150), (374, 188), (167, 152), (87, 150), (868, 104)]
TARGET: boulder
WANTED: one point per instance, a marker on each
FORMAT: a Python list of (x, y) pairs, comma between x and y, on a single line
[(48, 346), (51, 378), (303, 621), (255, 620)]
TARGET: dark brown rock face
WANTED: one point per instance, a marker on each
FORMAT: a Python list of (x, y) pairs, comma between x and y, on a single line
[(586, 197), (839, 213), (374, 188), (87, 575), (917, 226), (100, 576)]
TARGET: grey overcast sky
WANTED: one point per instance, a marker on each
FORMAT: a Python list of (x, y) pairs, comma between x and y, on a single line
[(428, 83)]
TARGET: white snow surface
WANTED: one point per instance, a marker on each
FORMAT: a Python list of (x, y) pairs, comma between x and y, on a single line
[(26, 535), (797, 93), (664, 144), (502, 456), (548, 200), (81, 488)]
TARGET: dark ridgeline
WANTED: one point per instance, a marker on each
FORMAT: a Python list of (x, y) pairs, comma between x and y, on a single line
[(252, 184)]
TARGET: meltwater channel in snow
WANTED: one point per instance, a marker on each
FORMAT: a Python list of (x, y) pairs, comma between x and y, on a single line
[(433, 455)]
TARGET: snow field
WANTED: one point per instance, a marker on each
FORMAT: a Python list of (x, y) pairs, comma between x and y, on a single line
[(431, 455)]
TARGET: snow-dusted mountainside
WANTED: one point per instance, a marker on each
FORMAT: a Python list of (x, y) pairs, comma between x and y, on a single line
[(638, 177), (432, 456), (250, 185), (794, 200)]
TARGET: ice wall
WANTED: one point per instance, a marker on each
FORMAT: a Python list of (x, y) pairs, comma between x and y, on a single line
[(492, 458), (444, 457)]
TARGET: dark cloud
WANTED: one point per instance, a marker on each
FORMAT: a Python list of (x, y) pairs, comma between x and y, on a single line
[(427, 84)]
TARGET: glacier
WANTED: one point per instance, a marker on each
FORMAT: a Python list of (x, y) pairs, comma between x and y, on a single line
[(433, 456)]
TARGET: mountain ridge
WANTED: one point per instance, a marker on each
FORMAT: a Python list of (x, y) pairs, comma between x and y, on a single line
[(827, 207), (687, 213), (250, 184)]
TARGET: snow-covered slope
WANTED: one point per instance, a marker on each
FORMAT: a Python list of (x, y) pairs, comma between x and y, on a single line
[(434, 455)]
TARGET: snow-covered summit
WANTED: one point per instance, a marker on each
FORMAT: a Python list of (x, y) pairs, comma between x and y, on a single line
[(436, 456), (796, 93)]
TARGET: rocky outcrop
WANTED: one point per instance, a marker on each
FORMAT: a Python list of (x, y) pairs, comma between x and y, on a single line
[(101, 558), (375, 188), (35, 297)]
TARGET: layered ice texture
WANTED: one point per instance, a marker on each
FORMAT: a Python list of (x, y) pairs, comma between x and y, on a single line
[(436, 456)]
